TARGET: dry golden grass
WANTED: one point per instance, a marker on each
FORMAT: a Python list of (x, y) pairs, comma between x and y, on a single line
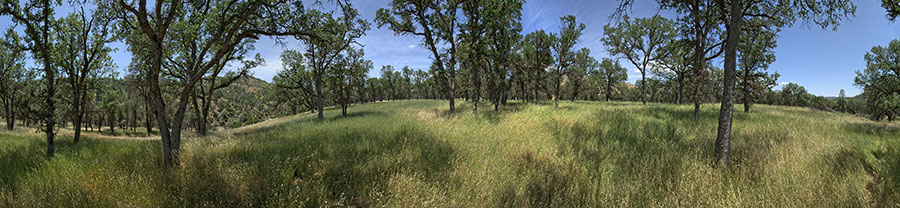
[(417, 154)]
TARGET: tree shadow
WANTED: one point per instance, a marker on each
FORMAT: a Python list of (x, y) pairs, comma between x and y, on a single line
[(17, 160), (329, 117), (547, 183), (345, 163), (872, 128), (19, 163), (629, 146), (354, 114)]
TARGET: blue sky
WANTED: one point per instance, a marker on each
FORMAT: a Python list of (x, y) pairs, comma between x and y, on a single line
[(823, 61)]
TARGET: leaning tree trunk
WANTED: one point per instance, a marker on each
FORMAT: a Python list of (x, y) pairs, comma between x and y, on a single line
[(723, 136), (170, 154)]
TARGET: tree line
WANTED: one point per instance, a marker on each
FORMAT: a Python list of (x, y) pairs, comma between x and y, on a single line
[(187, 51)]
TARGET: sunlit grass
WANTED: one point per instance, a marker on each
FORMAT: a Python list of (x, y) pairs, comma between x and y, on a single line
[(417, 154)]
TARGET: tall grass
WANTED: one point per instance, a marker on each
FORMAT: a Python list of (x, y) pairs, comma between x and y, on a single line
[(416, 154)]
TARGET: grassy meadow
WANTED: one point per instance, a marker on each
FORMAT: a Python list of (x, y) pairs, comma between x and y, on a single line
[(416, 154)]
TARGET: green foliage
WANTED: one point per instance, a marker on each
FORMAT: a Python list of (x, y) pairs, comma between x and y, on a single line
[(248, 100), (756, 52), (611, 76), (12, 75), (639, 41), (881, 79), (537, 56), (892, 7), (436, 22), (563, 49)]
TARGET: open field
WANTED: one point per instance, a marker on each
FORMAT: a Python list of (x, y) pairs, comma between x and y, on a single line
[(415, 154)]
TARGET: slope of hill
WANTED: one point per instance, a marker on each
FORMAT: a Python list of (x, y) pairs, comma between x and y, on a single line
[(416, 154), (246, 101)]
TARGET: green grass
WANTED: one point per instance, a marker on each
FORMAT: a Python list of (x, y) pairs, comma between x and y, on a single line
[(416, 154)]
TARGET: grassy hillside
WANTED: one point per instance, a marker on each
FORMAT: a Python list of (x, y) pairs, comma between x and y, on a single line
[(415, 154), (246, 101)]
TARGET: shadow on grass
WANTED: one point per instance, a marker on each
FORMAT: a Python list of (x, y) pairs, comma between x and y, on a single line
[(345, 164), (629, 147), (872, 128), (329, 116), (355, 114), (40, 181), (20, 155)]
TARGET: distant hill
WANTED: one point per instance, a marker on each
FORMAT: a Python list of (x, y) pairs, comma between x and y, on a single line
[(246, 101)]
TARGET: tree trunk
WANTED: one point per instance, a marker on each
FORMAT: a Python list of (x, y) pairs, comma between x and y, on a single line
[(680, 90), (11, 121), (50, 73), (76, 123), (203, 113), (608, 90), (556, 92), (112, 124), (475, 102), (699, 56), (170, 151), (147, 121), (644, 86), (723, 137), (319, 95), (134, 120), (575, 92), (10, 114)]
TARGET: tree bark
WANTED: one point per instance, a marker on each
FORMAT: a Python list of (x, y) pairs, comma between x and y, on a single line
[(608, 89), (699, 56), (50, 74), (10, 112), (556, 92), (680, 90), (745, 85), (11, 121), (201, 121), (112, 123), (575, 91), (147, 121), (643, 86), (723, 136), (320, 97), (76, 123)]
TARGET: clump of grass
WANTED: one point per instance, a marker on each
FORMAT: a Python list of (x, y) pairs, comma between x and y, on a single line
[(417, 154)]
